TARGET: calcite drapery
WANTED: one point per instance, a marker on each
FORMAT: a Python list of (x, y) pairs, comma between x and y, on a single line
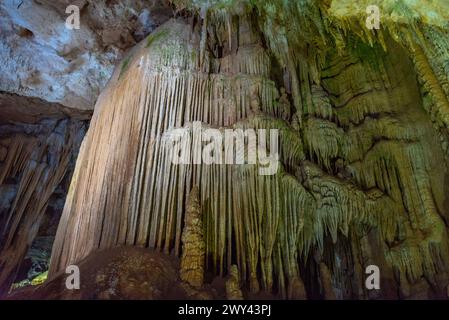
[(37, 158), (360, 158), (172, 89)]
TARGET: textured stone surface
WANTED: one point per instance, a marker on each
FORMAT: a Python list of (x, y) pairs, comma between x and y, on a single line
[(364, 134), (233, 291), (41, 58), (362, 153), (50, 78), (193, 246), (34, 175), (116, 274)]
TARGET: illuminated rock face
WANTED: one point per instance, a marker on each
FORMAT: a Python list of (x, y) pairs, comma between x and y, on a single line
[(363, 150), (233, 291)]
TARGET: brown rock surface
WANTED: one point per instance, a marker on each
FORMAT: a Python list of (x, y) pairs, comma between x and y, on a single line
[(125, 273), (41, 58), (363, 173), (193, 247)]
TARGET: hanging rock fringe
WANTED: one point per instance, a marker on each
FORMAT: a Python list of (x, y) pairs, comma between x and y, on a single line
[(360, 155)]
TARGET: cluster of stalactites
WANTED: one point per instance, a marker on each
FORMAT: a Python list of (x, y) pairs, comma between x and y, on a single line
[(264, 225)]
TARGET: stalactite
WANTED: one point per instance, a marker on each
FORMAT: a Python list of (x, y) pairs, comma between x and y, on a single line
[(42, 163)]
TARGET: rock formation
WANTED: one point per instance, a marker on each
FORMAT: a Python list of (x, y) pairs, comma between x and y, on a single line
[(359, 104), (50, 78), (37, 159), (363, 121), (41, 58), (116, 274), (233, 291), (326, 280), (193, 247)]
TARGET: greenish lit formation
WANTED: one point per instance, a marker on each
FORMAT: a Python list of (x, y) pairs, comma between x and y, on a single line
[(363, 117)]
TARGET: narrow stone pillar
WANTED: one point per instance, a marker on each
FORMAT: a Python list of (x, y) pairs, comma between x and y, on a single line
[(193, 246), (326, 282)]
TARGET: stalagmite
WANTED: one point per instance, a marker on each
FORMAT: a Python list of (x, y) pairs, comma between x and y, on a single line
[(233, 291), (193, 247)]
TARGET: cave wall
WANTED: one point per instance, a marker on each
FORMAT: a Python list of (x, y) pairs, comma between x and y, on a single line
[(50, 78), (41, 58)]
